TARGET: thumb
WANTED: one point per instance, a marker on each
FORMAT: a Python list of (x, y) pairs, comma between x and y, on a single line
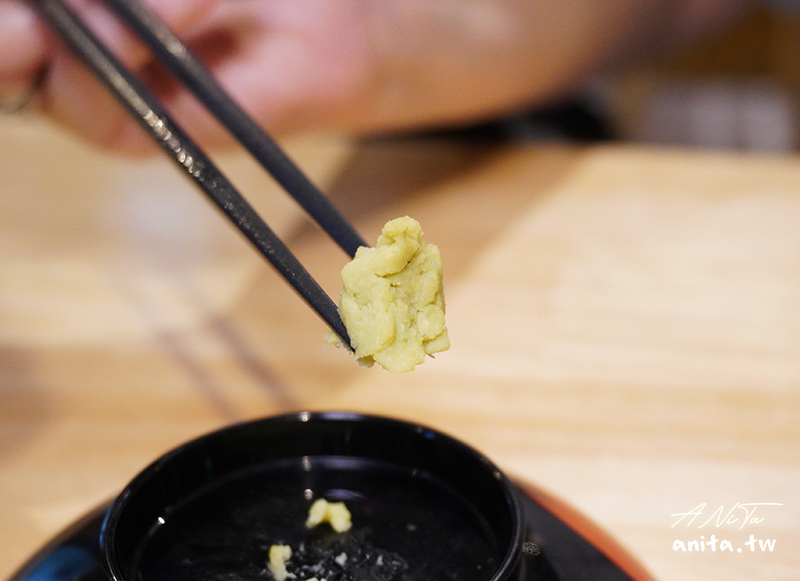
[(23, 47)]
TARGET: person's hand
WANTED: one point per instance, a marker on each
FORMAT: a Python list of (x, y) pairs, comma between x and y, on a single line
[(295, 65), (31, 58), (348, 65)]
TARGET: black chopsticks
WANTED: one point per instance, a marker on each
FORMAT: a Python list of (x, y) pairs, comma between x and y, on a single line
[(152, 116)]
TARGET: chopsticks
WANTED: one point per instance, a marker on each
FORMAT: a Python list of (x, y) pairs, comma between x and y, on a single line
[(176, 144)]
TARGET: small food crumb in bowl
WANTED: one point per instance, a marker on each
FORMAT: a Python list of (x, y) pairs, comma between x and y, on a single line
[(278, 556), (335, 514)]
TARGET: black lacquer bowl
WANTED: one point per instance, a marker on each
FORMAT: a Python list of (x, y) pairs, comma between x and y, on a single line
[(424, 506)]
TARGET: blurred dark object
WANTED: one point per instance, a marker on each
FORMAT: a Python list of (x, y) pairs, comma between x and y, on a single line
[(572, 119)]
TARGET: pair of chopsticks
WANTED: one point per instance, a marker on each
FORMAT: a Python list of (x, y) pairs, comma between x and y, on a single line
[(177, 145)]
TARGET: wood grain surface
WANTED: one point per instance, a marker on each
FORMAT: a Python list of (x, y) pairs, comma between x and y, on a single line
[(625, 327)]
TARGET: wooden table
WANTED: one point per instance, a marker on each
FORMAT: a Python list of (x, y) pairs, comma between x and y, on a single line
[(625, 328)]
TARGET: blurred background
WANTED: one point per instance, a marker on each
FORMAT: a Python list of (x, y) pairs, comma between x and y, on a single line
[(738, 89)]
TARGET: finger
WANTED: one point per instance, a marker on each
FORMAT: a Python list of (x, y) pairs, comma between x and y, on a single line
[(78, 101), (291, 69), (23, 47), (179, 15)]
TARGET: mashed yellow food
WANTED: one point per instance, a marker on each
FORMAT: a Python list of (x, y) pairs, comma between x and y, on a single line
[(278, 556), (392, 302), (335, 514)]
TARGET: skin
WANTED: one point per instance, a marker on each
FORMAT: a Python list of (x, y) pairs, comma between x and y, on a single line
[(355, 66)]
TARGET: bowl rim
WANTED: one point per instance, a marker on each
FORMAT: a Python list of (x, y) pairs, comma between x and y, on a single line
[(116, 511)]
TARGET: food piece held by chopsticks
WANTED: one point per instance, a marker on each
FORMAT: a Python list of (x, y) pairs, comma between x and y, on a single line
[(392, 303)]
